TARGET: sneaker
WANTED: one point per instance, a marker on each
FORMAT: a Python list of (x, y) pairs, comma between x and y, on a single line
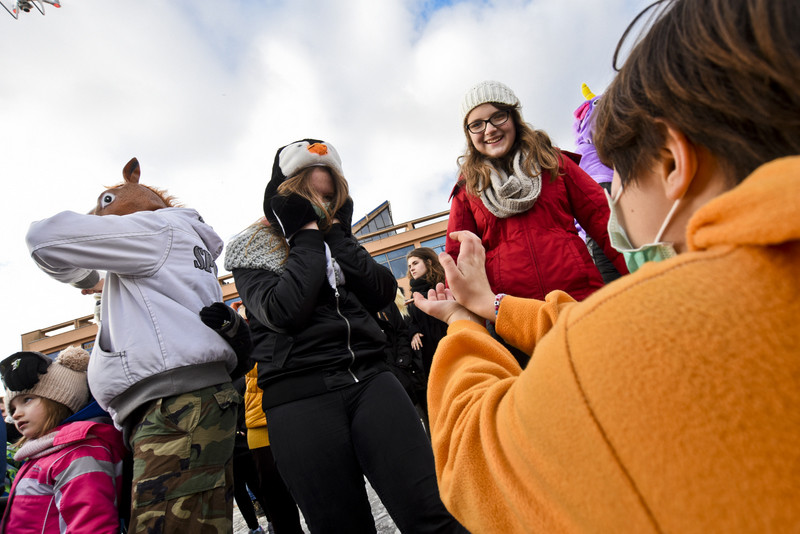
[(257, 530)]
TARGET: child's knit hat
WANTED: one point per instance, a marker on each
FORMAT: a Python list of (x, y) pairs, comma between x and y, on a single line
[(63, 382), (293, 158), (487, 92)]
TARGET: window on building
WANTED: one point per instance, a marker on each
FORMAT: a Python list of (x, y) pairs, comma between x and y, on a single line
[(437, 244), (395, 260)]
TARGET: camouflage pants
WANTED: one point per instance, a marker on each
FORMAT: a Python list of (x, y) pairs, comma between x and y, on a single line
[(182, 469)]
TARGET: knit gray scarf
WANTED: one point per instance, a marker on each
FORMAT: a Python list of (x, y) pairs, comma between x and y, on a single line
[(510, 195)]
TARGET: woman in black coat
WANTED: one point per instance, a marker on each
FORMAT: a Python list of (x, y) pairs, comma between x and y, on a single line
[(336, 413)]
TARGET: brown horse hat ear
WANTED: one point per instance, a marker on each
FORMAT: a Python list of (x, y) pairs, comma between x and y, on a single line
[(132, 171)]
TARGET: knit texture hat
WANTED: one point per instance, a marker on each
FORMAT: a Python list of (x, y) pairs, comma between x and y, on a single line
[(488, 91), (293, 158), (64, 382)]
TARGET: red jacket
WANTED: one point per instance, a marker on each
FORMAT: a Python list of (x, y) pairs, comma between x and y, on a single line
[(538, 251)]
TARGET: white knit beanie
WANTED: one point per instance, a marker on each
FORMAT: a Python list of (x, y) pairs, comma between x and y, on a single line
[(484, 92), (64, 382)]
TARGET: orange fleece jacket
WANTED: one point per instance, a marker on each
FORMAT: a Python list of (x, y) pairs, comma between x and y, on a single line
[(668, 401)]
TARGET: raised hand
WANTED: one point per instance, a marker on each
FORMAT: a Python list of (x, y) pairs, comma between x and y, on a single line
[(441, 304), (293, 213), (467, 278), (345, 214)]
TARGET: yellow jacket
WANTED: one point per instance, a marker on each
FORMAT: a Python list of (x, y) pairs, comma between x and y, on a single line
[(254, 417), (668, 401)]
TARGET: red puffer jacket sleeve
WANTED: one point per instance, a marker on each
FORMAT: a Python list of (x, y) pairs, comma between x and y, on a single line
[(461, 218)]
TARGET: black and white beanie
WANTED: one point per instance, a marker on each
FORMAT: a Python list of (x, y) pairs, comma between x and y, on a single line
[(293, 158)]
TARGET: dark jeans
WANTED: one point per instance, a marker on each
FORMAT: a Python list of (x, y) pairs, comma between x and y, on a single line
[(325, 445)]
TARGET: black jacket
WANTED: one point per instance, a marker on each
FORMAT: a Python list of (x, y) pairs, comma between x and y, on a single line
[(308, 337), (431, 328)]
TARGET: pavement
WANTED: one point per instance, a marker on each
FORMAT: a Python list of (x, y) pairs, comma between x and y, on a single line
[(383, 523)]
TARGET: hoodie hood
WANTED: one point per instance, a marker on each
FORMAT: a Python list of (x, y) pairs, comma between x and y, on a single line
[(211, 240), (761, 211)]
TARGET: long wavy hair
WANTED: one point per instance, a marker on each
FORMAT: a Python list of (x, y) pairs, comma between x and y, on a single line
[(434, 272), (299, 184), (726, 74), (536, 147)]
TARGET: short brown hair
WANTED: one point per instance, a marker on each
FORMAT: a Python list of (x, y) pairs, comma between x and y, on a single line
[(726, 73)]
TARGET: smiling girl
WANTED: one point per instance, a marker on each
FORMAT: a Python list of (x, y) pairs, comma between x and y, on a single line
[(521, 196)]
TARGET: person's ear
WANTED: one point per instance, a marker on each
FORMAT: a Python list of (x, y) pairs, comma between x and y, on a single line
[(678, 165)]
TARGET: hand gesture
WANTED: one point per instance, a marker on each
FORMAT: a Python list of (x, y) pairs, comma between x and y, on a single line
[(293, 213), (345, 214), (441, 304), (467, 278)]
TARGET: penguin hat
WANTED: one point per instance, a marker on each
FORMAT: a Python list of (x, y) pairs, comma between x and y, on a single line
[(293, 158)]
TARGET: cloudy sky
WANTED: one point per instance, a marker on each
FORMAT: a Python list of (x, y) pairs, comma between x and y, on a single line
[(203, 93)]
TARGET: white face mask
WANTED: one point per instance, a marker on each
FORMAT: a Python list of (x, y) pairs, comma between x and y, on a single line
[(636, 257)]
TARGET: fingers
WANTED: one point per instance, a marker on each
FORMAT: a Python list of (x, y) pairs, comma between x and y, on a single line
[(451, 270), (465, 236)]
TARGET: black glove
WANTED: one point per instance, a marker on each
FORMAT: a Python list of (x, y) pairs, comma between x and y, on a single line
[(293, 212), (219, 317), (21, 370), (227, 323), (345, 215)]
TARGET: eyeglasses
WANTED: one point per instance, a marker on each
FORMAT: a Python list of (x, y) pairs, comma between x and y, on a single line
[(498, 119)]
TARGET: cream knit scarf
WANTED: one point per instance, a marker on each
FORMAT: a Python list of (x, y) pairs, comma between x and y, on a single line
[(510, 195)]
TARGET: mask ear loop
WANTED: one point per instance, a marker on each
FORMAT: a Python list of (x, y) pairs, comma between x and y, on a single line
[(667, 220), (619, 194)]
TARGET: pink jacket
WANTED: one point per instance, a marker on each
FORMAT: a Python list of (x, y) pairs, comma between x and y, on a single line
[(536, 252), (71, 482)]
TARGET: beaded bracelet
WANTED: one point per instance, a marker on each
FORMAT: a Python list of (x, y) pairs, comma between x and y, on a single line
[(497, 299)]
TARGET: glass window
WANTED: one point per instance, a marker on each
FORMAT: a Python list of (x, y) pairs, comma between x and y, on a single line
[(395, 260), (437, 244)]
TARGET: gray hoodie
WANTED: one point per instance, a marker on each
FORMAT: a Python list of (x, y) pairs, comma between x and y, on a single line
[(160, 272)]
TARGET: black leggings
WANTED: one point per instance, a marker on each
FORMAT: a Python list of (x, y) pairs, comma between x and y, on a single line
[(325, 445), (279, 506), (244, 475)]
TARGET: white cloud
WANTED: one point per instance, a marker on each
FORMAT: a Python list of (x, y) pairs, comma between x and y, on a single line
[(203, 93)]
